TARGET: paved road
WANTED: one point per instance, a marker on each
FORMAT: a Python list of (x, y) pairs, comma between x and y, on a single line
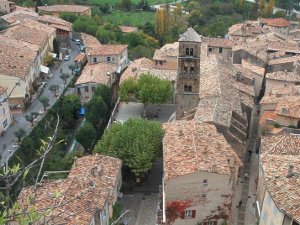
[(19, 119)]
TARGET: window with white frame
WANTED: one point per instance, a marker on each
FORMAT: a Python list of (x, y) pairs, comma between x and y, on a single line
[(94, 59), (188, 214), (108, 59)]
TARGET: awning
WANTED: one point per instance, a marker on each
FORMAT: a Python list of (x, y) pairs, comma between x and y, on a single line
[(119, 69), (44, 69), (54, 55), (82, 111)]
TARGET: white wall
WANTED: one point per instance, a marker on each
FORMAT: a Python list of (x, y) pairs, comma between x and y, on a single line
[(5, 114)]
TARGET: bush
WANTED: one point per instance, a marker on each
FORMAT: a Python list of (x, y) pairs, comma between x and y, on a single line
[(277, 125), (291, 126)]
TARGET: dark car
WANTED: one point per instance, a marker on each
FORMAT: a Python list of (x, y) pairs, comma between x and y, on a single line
[(76, 71)]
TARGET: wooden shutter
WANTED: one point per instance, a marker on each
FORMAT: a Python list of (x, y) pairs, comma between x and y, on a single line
[(193, 213), (183, 215)]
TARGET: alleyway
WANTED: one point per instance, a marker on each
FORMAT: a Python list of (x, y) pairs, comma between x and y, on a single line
[(36, 106)]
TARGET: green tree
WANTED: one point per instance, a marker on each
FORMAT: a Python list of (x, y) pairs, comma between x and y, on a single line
[(86, 135), (54, 89), (20, 133), (70, 107), (128, 89), (45, 102), (64, 77), (70, 17), (96, 111), (105, 8), (56, 47), (126, 5), (136, 142), (30, 117), (105, 36), (149, 89), (85, 24), (105, 92)]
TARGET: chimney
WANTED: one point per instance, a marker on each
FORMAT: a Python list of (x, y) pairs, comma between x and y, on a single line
[(213, 168), (95, 171), (91, 73), (290, 172), (75, 161)]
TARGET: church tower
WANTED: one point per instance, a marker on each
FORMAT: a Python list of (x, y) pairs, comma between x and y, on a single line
[(188, 72)]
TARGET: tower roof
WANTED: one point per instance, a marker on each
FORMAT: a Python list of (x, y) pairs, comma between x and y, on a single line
[(190, 35)]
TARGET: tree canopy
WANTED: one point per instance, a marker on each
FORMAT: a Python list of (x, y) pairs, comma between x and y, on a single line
[(96, 111), (147, 89), (136, 142), (86, 135)]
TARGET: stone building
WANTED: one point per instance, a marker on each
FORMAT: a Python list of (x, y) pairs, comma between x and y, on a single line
[(278, 193), (85, 197), (7, 6), (56, 10), (200, 174), (5, 114), (188, 73), (166, 58), (218, 46)]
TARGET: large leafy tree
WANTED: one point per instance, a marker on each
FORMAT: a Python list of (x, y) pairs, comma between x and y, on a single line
[(148, 89), (104, 91), (86, 135), (69, 108), (96, 111), (136, 143)]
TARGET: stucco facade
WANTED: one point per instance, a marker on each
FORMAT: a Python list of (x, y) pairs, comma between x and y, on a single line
[(170, 63), (225, 52), (209, 194), (5, 114), (7, 6)]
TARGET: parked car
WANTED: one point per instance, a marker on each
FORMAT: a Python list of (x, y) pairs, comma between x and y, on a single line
[(76, 71), (50, 76), (77, 41), (67, 57)]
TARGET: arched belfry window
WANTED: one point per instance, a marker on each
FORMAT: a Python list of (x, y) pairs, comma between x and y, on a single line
[(189, 51)]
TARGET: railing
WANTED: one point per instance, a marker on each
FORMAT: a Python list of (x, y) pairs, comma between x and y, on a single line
[(113, 114)]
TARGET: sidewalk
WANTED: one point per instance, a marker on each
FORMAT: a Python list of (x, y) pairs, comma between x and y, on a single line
[(9, 138)]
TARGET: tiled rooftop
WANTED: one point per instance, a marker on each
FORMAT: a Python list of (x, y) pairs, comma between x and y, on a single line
[(218, 42), (190, 35), (2, 90), (144, 65), (80, 194), (55, 22), (276, 94), (284, 76), (168, 50), (278, 22), (38, 26), (278, 153), (289, 107), (64, 8), (96, 73), (20, 15), (26, 33), (283, 60), (249, 28), (110, 49), (128, 29), (15, 61), (190, 146), (218, 93)]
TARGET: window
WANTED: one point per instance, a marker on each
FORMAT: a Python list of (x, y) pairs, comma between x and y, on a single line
[(187, 88), (4, 123), (160, 62), (192, 69), (185, 69), (205, 182), (188, 214), (210, 49), (86, 88), (220, 50), (78, 91), (3, 111), (189, 51), (108, 59), (94, 59), (190, 88), (93, 89), (203, 195)]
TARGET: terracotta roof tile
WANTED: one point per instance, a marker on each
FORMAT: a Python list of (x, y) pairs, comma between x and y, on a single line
[(284, 76), (190, 35), (168, 50), (64, 8), (81, 194), (189, 146), (279, 152), (278, 22), (16, 61), (96, 73), (55, 22), (218, 42), (128, 29)]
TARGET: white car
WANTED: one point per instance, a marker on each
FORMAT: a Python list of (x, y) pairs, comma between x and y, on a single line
[(77, 41), (67, 57)]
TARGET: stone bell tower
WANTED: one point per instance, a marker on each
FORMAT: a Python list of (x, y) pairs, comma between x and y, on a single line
[(188, 72)]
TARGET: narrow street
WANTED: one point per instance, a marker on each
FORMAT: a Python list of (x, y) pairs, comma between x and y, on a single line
[(244, 202), (9, 138)]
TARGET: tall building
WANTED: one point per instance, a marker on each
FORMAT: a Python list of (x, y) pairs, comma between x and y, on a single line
[(188, 72)]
